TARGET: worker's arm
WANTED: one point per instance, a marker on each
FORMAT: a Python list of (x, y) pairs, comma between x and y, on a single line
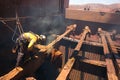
[(31, 43)]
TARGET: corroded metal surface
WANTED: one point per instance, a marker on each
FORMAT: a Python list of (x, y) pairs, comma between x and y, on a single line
[(115, 53), (87, 71), (68, 66), (84, 42), (82, 64), (111, 73), (91, 66), (92, 16)]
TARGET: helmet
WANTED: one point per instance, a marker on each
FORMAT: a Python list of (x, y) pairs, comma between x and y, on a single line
[(43, 37)]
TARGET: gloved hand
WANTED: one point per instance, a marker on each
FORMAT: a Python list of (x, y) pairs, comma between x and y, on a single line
[(13, 50)]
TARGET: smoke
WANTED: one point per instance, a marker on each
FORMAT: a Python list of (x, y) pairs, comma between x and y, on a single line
[(48, 18), (114, 28), (49, 25)]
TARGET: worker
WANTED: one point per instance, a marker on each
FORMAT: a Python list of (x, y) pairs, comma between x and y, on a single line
[(25, 43)]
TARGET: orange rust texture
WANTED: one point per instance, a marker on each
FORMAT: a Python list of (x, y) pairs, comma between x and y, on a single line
[(92, 16)]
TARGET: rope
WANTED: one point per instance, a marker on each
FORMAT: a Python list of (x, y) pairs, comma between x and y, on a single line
[(14, 34), (18, 24)]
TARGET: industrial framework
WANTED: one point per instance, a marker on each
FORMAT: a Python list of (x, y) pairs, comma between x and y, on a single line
[(77, 62)]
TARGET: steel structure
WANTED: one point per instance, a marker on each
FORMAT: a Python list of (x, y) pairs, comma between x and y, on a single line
[(83, 59)]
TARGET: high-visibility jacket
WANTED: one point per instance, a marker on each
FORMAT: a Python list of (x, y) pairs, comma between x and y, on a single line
[(30, 37)]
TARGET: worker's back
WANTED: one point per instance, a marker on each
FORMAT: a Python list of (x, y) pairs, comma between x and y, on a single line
[(29, 36)]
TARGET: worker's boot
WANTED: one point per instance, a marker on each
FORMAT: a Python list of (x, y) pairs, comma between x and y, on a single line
[(19, 57)]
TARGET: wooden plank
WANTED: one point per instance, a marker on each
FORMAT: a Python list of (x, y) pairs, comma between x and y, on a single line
[(68, 66), (115, 53), (111, 73)]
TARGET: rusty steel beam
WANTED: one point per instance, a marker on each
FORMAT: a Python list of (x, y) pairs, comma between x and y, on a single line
[(68, 66), (117, 47), (84, 42), (115, 53), (94, 62), (77, 14), (68, 30), (111, 73), (49, 46)]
